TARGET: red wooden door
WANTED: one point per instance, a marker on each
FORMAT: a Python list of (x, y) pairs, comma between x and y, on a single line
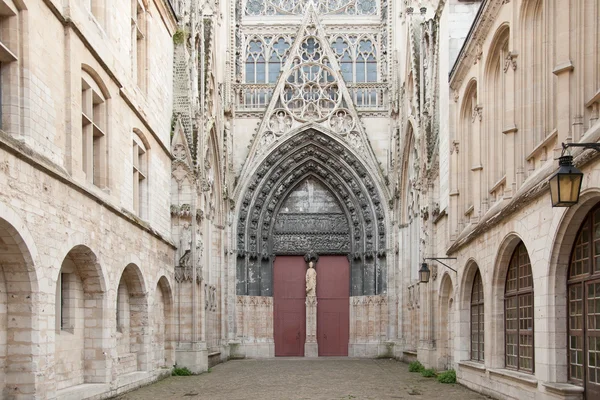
[(333, 305), (289, 285)]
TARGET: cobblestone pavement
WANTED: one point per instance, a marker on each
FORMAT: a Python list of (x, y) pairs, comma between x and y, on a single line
[(323, 379)]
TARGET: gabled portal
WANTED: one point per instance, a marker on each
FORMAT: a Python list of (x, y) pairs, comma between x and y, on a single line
[(350, 220), (311, 91)]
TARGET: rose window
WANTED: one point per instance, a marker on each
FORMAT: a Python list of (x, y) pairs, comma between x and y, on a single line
[(311, 92)]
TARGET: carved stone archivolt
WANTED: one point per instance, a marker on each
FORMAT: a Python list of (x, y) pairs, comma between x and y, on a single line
[(357, 228)]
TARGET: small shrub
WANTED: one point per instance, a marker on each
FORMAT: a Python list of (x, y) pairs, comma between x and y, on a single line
[(177, 371), (415, 366), (179, 36), (447, 376), (428, 373)]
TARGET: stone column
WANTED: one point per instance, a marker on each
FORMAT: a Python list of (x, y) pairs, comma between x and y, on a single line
[(311, 347)]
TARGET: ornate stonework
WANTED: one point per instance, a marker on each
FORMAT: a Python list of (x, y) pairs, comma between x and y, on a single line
[(359, 230)]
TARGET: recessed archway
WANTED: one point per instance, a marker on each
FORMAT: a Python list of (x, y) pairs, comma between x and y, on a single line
[(18, 285), (132, 322), (79, 319), (311, 153), (446, 323), (162, 325)]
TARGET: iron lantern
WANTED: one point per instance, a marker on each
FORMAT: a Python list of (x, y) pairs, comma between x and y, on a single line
[(565, 184), (424, 273)]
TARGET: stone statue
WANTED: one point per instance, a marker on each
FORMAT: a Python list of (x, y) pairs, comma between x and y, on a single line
[(311, 280)]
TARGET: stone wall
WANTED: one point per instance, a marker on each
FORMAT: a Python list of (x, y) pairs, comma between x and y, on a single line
[(69, 238)]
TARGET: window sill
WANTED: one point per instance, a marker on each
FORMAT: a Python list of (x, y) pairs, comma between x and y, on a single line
[(516, 376), (473, 365), (563, 389)]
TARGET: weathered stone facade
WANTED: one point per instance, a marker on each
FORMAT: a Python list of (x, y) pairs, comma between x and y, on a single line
[(293, 128), (518, 89), (86, 289)]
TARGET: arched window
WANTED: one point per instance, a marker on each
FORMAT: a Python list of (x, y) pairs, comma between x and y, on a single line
[(140, 175), (341, 49), (138, 42), (518, 312), (255, 62), (477, 320), (94, 122), (366, 63), (279, 51), (469, 153), (584, 305), (495, 122)]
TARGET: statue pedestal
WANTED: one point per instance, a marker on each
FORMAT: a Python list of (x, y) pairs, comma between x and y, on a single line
[(311, 347)]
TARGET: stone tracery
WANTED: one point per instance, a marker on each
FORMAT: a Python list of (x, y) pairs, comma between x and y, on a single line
[(312, 153), (299, 7)]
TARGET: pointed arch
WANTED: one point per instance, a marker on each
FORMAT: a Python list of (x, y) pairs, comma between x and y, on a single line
[(446, 306), (163, 324), (496, 98), (312, 152), (470, 297), (312, 91)]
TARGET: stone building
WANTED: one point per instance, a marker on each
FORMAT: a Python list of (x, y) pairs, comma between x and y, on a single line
[(86, 290), (518, 318), (364, 136)]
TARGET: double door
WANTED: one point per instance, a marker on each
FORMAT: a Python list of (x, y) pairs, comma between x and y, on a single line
[(333, 305)]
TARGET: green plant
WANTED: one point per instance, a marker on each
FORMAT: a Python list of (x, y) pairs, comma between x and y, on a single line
[(447, 376), (415, 366), (177, 371), (428, 373), (179, 36)]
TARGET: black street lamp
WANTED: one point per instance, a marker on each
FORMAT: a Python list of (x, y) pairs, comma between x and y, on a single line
[(424, 273), (565, 184)]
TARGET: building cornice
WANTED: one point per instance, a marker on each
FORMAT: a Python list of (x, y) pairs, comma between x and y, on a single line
[(167, 14), (41, 163), (471, 51), (535, 187), (124, 92)]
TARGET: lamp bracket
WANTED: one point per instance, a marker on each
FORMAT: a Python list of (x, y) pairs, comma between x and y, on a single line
[(444, 264), (592, 146)]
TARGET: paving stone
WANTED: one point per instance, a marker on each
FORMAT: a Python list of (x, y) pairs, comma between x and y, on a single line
[(301, 378)]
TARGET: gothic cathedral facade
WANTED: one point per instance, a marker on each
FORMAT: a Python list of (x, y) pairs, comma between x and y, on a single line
[(169, 169)]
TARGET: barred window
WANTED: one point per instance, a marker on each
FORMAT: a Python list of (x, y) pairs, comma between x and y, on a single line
[(477, 320), (518, 312)]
